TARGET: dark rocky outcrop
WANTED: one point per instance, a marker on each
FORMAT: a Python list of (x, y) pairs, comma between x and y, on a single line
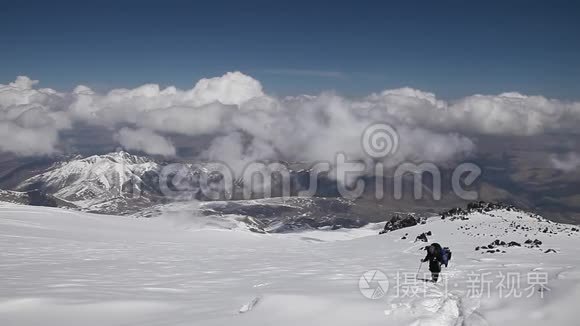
[(501, 243), (479, 207), (533, 243), (421, 237), (399, 222)]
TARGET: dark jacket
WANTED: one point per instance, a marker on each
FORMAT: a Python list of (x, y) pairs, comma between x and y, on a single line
[(434, 258)]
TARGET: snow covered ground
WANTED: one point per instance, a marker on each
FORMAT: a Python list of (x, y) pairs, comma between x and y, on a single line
[(61, 267)]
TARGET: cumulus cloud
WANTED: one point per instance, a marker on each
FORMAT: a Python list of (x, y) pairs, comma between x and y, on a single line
[(503, 114), (567, 163), (508, 113), (244, 124), (147, 104), (318, 128), (232, 88), (30, 119), (146, 141), (27, 141), (185, 120)]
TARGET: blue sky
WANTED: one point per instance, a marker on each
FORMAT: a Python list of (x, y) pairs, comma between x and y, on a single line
[(452, 48)]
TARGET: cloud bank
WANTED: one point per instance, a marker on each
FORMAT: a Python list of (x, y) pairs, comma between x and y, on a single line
[(567, 162), (30, 119), (146, 141), (244, 123)]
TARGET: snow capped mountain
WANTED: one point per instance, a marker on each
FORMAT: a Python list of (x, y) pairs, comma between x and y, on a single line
[(97, 179), (70, 268)]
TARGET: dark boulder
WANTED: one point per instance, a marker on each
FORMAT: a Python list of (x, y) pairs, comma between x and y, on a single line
[(399, 222), (422, 237), (533, 244)]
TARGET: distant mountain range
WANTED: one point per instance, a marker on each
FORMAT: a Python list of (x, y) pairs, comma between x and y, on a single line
[(120, 183), (102, 183)]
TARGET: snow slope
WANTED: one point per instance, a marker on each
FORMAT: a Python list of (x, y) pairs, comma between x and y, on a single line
[(62, 267)]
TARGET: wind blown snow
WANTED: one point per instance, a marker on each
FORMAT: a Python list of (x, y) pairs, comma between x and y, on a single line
[(63, 267)]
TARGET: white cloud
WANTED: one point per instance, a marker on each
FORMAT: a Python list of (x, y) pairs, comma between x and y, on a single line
[(27, 141), (248, 124), (504, 114), (23, 82), (30, 118), (508, 113), (146, 141), (567, 163), (232, 88), (185, 120)]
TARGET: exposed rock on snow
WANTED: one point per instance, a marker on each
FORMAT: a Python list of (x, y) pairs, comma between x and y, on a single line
[(399, 222), (476, 207), (422, 237), (533, 243)]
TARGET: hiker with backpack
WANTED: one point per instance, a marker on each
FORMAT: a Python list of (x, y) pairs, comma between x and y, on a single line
[(437, 256)]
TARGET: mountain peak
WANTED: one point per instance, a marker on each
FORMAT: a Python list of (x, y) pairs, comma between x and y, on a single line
[(94, 179), (117, 157)]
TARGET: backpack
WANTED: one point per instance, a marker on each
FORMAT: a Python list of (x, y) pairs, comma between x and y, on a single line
[(445, 256)]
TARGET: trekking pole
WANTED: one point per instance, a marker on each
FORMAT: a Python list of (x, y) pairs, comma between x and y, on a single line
[(419, 268)]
